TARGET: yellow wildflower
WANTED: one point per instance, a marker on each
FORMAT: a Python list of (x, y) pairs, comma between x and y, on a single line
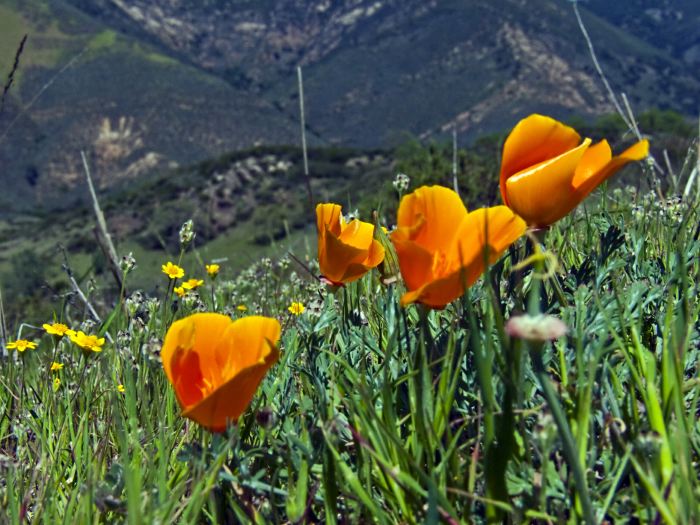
[(88, 342), (172, 270), (55, 367), (180, 291), (56, 383), (120, 388), (242, 308), (21, 345), (212, 269), (58, 329), (191, 284), (296, 308)]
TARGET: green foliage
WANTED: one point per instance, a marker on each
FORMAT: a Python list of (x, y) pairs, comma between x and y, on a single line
[(432, 163), (666, 122), (28, 287), (378, 413)]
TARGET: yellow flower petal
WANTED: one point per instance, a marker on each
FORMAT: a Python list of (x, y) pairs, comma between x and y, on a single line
[(58, 329), (296, 308), (173, 271)]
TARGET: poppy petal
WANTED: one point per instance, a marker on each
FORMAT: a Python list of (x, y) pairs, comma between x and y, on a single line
[(357, 234), (589, 177), (230, 400), (499, 224), (337, 257), (543, 194), (533, 140), (249, 337), (356, 270), (438, 293), (328, 215), (375, 255), (415, 262), (431, 213), (345, 251), (189, 383), (238, 347), (352, 273), (216, 364), (593, 161), (199, 332)]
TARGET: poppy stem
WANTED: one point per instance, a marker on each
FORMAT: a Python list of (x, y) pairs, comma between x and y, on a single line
[(539, 235), (422, 384), (567, 439), (559, 292), (303, 266), (495, 483)]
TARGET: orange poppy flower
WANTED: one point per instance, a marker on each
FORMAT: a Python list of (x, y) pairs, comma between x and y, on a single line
[(546, 173), (442, 249), (215, 364), (345, 251)]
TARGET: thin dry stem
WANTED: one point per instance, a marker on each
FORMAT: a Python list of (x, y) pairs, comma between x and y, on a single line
[(104, 239), (696, 170), (596, 64), (637, 133), (3, 327), (302, 120), (11, 74), (41, 92), (454, 159), (76, 288)]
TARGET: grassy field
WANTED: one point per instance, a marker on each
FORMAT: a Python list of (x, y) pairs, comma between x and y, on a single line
[(377, 413)]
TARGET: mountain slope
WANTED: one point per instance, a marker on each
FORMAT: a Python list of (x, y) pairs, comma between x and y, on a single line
[(671, 25), (131, 108), (377, 69), (158, 83)]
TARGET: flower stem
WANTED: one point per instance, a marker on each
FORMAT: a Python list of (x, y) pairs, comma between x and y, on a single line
[(568, 444)]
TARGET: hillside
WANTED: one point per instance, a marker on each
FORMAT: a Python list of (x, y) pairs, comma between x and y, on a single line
[(244, 205), (670, 25), (155, 84), (448, 62), (132, 108)]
